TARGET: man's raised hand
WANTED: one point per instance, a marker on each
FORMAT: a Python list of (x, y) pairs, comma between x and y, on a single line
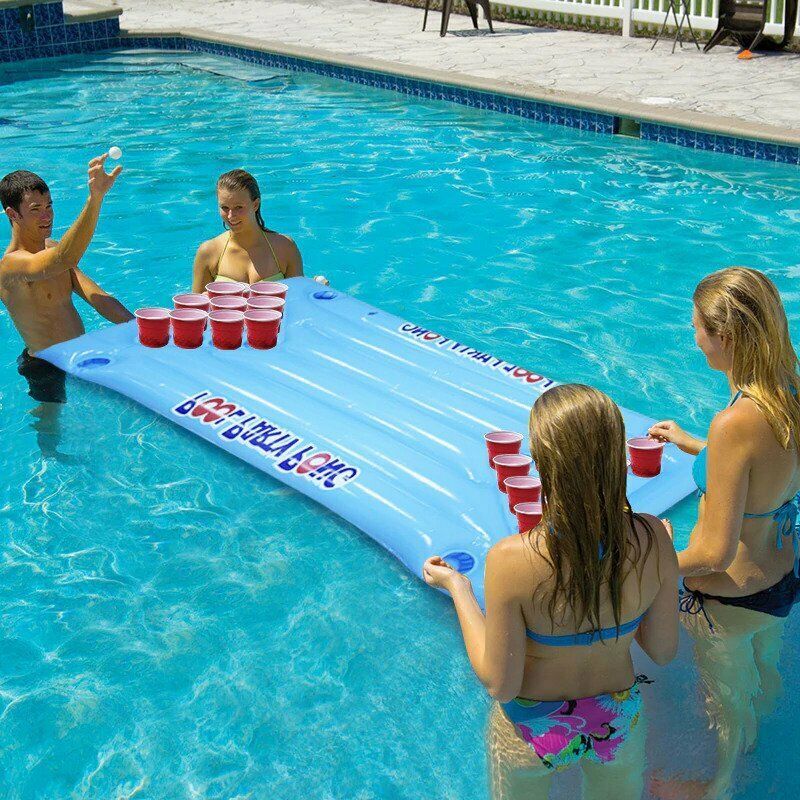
[(101, 181)]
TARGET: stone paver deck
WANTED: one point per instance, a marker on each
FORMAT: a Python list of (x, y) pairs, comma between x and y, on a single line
[(764, 91)]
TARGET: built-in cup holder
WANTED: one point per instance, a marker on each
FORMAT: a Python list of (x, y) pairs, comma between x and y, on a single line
[(460, 560), (94, 362)]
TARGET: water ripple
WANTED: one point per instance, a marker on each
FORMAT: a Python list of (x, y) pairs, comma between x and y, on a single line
[(175, 624)]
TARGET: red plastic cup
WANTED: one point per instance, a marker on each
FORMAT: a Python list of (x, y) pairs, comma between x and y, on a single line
[(266, 301), (508, 465), (522, 489), (261, 301), (225, 289), (262, 327), (645, 456), (228, 303), (188, 325), (153, 326), (529, 515), (227, 328), (499, 442), (269, 288), (192, 300)]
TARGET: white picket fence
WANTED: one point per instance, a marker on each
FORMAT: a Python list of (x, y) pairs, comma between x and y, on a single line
[(703, 13)]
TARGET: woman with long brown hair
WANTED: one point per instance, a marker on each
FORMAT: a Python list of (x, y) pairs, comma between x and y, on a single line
[(247, 251), (564, 603), (741, 565)]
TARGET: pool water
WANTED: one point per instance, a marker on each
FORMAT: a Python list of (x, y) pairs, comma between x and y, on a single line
[(176, 625)]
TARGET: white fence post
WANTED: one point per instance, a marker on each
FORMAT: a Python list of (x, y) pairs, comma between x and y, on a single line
[(633, 12), (627, 17)]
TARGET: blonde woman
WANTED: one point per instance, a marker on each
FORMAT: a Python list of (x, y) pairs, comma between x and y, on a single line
[(247, 251), (564, 603), (741, 565)]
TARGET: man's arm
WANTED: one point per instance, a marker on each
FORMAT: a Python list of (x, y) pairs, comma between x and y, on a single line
[(101, 301), (68, 252)]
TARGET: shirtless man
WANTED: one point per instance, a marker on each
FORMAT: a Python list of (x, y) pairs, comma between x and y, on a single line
[(38, 277)]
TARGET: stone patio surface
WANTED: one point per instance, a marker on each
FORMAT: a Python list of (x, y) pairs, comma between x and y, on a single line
[(764, 91)]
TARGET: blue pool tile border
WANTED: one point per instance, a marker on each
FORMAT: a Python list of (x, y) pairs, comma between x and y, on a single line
[(537, 110), (720, 143), (53, 36)]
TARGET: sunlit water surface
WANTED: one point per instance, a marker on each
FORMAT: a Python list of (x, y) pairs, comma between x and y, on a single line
[(176, 625)]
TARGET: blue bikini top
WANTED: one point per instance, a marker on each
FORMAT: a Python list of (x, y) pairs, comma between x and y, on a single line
[(787, 516), (590, 637), (584, 639)]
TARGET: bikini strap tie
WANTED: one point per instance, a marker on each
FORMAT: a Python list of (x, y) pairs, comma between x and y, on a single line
[(788, 519), (690, 601)]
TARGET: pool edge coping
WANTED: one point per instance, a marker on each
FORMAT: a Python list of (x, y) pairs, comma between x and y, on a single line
[(92, 11), (690, 120)]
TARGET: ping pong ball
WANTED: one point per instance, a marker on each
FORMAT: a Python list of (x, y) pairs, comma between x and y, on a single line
[(115, 152)]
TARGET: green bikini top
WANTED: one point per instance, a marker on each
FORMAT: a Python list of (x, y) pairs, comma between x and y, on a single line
[(278, 276)]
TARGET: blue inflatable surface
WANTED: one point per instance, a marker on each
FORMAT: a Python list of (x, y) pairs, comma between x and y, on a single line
[(377, 419)]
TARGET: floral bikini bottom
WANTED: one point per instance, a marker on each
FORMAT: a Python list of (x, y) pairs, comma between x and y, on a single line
[(562, 732)]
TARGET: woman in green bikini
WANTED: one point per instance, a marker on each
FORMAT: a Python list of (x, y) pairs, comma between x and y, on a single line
[(247, 251)]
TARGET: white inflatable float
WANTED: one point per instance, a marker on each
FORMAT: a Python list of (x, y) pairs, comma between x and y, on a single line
[(378, 419)]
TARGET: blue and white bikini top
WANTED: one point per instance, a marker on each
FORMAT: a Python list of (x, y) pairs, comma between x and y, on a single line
[(584, 639), (787, 516)]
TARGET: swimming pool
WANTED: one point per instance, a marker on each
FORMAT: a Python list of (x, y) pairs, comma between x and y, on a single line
[(201, 632)]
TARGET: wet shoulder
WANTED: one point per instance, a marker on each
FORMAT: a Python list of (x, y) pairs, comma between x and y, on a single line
[(284, 245), (211, 249), (516, 561), (7, 255), (7, 261), (650, 533), (741, 425)]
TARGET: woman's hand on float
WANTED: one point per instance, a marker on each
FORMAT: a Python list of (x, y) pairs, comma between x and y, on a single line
[(439, 574), (669, 431), (668, 525)]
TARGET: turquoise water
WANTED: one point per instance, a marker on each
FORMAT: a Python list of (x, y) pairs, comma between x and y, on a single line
[(177, 626)]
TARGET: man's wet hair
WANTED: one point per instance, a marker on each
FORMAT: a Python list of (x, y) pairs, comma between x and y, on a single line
[(16, 185)]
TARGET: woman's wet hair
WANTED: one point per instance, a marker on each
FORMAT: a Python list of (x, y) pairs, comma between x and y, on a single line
[(744, 307), (577, 438), (237, 180)]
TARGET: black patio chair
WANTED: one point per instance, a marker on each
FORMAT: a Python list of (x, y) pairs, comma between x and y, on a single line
[(472, 6), (744, 21)]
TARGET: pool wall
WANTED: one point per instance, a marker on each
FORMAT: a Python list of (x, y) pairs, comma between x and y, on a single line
[(41, 30)]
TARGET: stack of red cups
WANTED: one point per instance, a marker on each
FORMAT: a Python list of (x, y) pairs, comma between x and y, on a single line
[(524, 491)]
